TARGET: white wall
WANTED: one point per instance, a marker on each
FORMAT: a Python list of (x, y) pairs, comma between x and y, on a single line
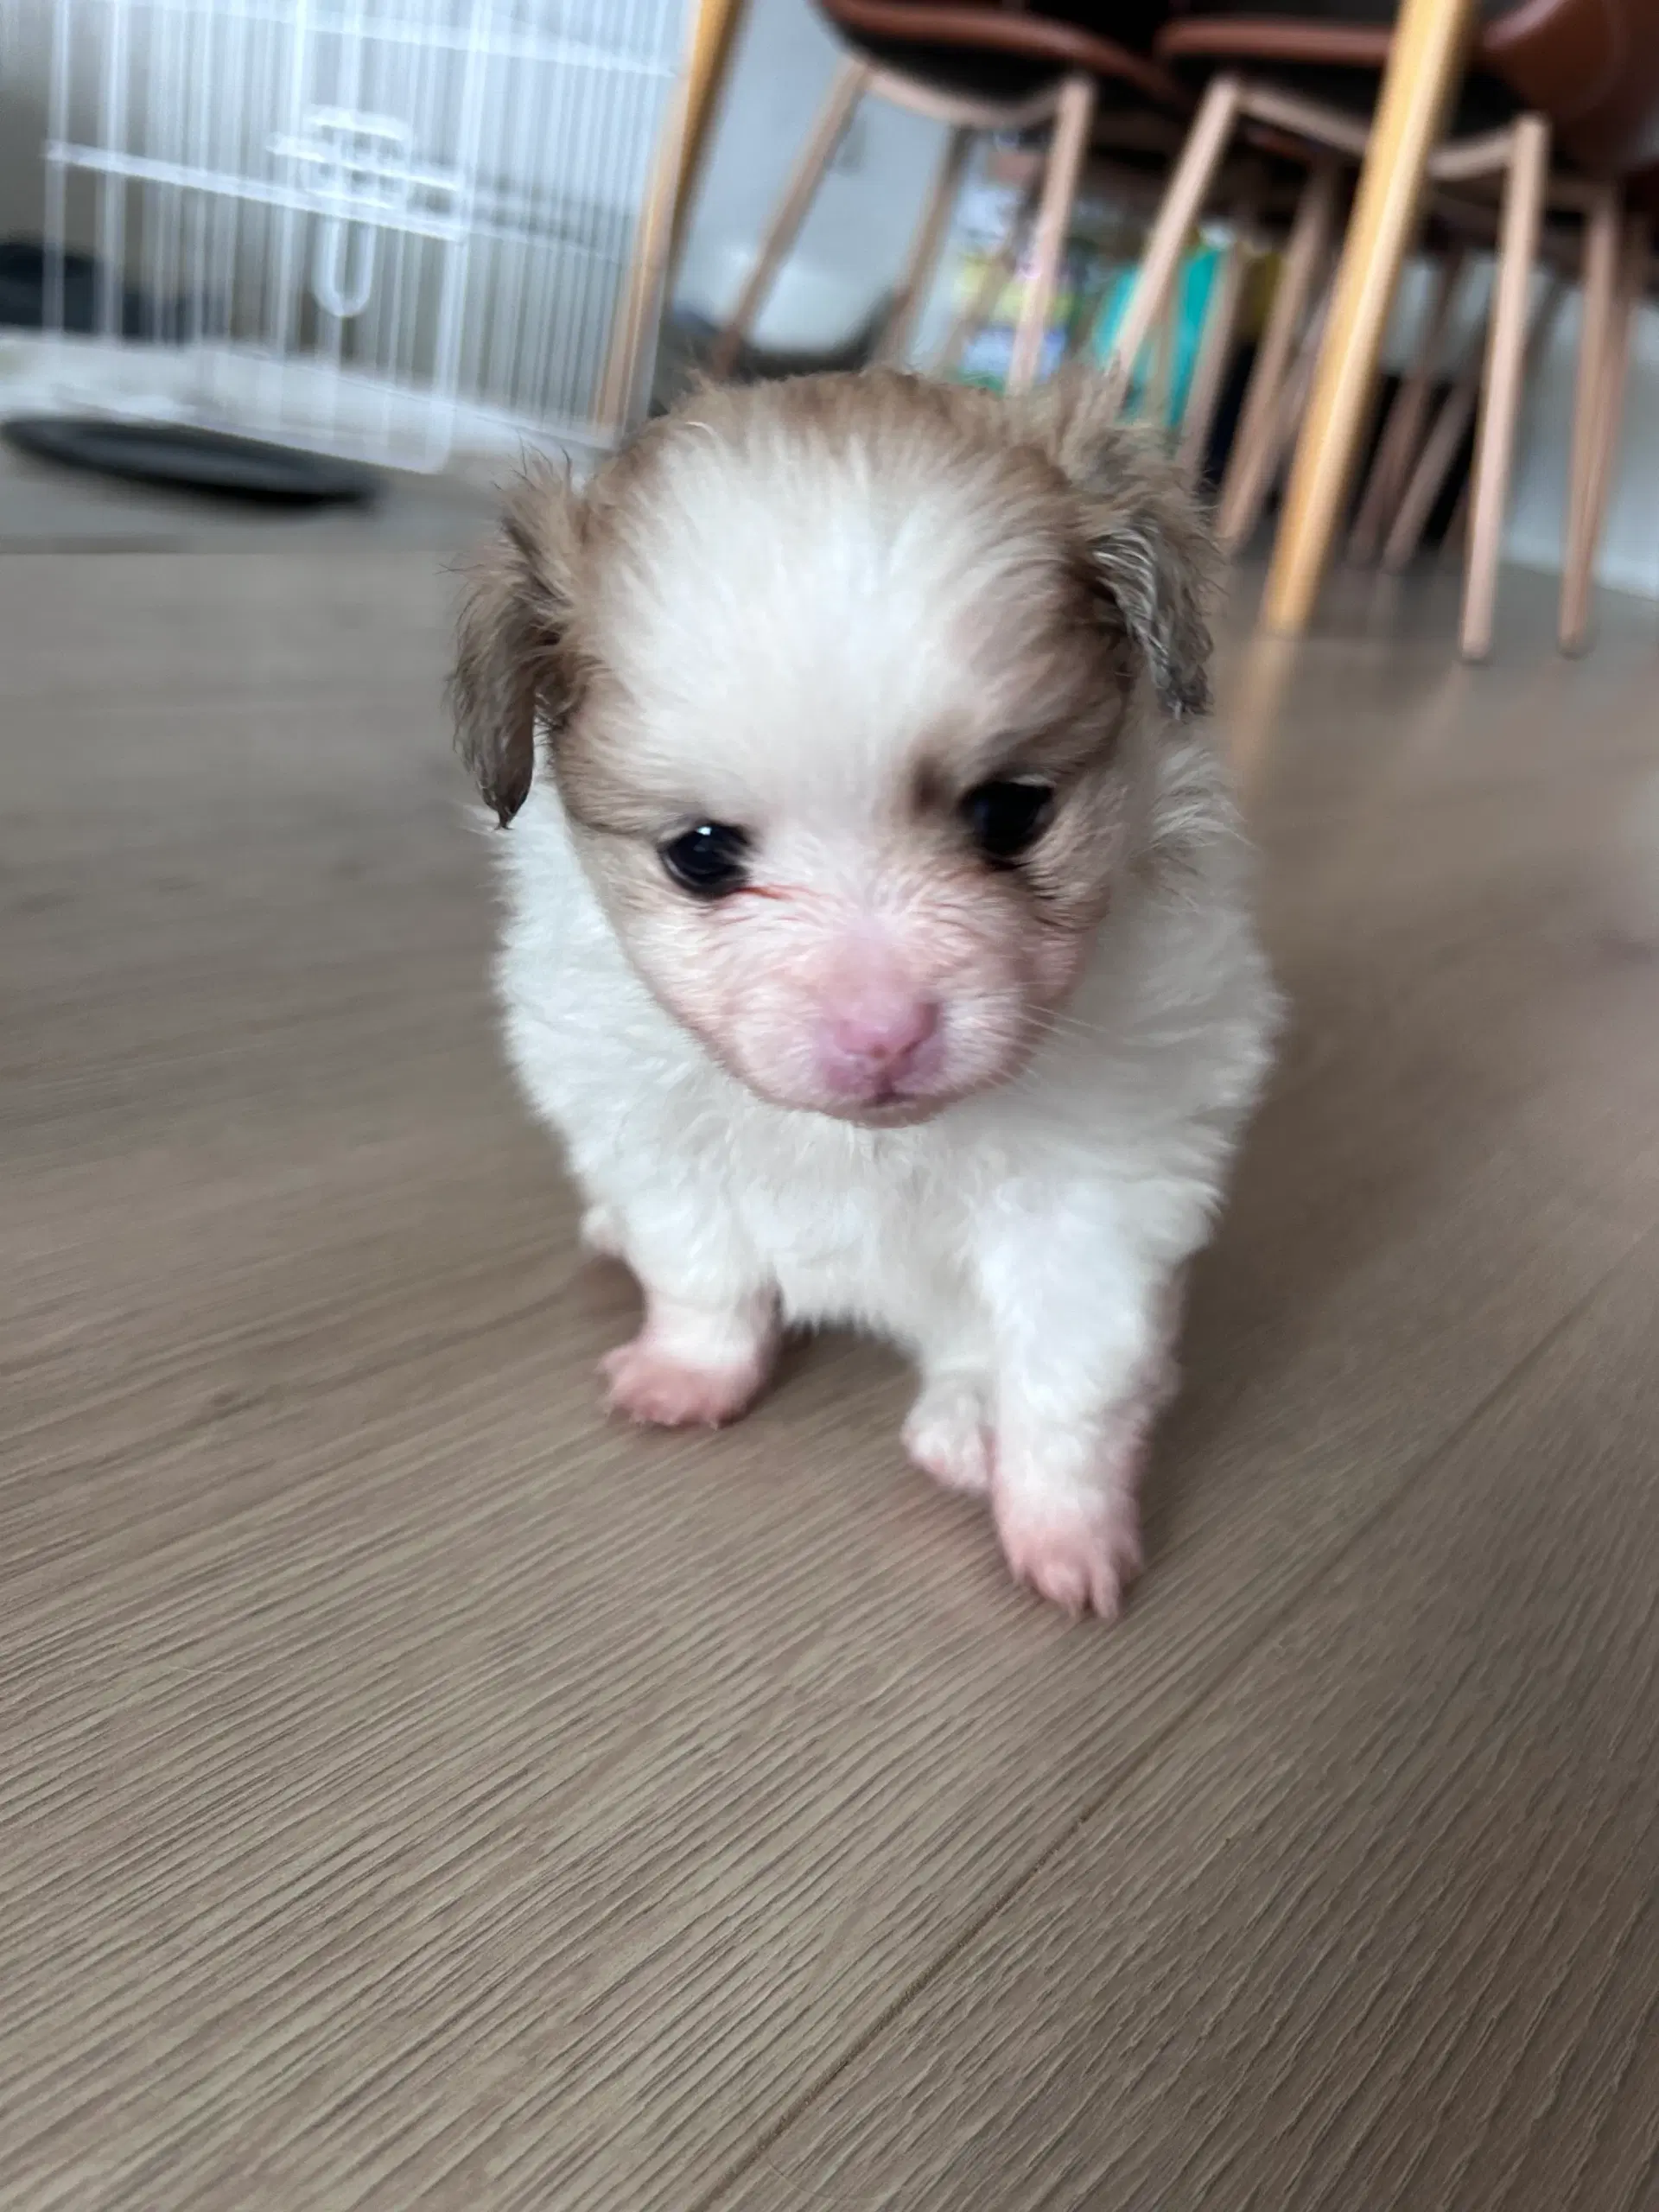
[(1630, 552), (854, 244), (854, 241)]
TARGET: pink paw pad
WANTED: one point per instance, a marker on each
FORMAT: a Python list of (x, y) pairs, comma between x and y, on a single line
[(648, 1385), (1080, 1558)]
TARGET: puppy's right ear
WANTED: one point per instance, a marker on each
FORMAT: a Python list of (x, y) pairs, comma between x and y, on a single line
[(515, 658)]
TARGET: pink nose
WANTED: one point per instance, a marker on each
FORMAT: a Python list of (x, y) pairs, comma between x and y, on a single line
[(879, 1044)]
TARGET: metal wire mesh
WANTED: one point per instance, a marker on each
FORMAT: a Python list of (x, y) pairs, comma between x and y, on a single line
[(378, 228)]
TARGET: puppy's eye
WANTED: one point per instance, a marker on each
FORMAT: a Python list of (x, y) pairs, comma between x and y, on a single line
[(710, 861), (1004, 820)]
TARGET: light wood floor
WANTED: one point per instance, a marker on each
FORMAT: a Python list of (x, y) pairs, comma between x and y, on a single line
[(415, 1792)]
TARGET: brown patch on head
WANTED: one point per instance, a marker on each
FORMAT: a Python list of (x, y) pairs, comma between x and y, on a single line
[(517, 658), (1062, 877), (1145, 555), (1052, 461), (598, 786), (1146, 551)]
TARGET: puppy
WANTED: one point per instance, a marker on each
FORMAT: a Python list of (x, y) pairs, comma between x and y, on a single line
[(878, 935)]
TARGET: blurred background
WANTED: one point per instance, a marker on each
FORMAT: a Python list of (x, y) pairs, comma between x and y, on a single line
[(420, 235)]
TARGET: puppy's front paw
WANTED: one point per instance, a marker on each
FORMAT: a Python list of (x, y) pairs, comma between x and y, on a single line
[(602, 1232), (948, 1435), (1080, 1555), (647, 1384)]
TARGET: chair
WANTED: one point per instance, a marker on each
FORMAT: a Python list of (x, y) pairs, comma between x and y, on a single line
[(1326, 57), (1617, 272), (977, 68)]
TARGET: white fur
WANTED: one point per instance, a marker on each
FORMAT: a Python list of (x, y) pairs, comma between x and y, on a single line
[(1025, 1246), (1022, 1247)]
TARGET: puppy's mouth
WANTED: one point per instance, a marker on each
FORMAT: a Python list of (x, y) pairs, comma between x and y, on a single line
[(889, 1110), (896, 1105), (892, 1109)]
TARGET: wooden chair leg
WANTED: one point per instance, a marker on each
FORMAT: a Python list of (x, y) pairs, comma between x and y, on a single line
[(1598, 339), (1426, 57), (1456, 546), (1434, 464), (1402, 433), (1215, 352), (1183, 203), (713, 40), (1506, 348), (994, 280), (1272, 449), (926, 247), (1633, 284), (1297, 384), (1307, 252), (833, 117), (1067, 146), (1600, 308), (656, 240), (1445, 440)]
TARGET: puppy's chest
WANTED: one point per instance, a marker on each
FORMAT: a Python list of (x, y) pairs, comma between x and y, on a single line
[(847, 1240)]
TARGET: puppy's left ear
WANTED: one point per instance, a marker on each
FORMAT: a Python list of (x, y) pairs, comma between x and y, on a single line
[(1148, 552)]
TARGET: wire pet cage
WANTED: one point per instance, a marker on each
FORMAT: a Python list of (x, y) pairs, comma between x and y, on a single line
[(387, 229)]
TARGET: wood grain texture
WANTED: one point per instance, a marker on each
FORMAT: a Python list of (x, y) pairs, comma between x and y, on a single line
[(1381, 1926), (415, 1790)]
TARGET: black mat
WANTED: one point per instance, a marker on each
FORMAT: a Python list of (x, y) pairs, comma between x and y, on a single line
[(190, 459)]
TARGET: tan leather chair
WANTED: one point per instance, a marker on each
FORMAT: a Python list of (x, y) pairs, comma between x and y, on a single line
[(1582, 72), (1590, 66)]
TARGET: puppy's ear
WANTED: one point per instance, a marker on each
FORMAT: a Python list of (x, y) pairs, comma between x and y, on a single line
[(1148, 552), (515, 657)]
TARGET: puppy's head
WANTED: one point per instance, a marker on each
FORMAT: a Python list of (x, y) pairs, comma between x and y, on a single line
[(836, 678)]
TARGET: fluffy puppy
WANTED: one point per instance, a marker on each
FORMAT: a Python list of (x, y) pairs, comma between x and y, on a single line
[(878, 938)]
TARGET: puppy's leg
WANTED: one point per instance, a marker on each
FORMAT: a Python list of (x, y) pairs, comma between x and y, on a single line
[(710, 1331), (950, 1432), (1070, 1452), (693, 1365), (602, 1231), (1086, 1366)]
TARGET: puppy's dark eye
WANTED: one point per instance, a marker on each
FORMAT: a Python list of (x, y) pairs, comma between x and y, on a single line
[(710, 861), (1004, 820)]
